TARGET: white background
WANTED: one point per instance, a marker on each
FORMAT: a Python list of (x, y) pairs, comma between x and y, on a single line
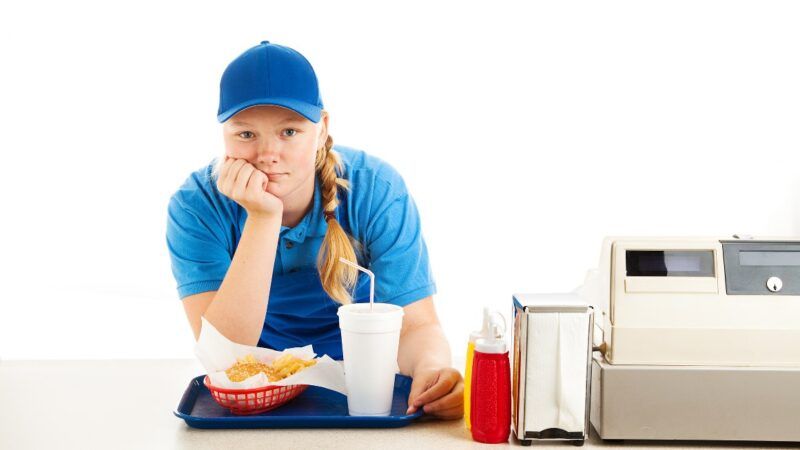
[(526, 133)]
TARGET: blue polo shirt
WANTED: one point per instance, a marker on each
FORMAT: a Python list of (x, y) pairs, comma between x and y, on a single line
[(204, 227)]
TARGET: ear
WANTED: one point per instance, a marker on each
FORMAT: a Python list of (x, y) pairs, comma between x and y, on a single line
[(323, 127)]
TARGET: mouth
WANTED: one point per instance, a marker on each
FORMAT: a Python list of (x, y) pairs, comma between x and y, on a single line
[(275, 175)]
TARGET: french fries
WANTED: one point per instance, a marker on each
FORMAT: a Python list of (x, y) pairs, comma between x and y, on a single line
[(281, 368), (289, 365)]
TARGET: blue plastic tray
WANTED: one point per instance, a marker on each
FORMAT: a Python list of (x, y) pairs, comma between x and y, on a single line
[(315, 408)]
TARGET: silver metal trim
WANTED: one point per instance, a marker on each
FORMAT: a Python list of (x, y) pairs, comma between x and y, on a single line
[(520, 347), (556, 309), (590, 347), (520, 340)]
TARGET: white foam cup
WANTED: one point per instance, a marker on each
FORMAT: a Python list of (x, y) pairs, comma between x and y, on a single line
[(369, 346)]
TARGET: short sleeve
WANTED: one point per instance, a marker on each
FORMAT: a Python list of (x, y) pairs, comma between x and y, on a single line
[(397, 252), (197, 245)]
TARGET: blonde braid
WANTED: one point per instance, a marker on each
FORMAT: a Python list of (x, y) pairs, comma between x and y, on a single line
[(337, 279)]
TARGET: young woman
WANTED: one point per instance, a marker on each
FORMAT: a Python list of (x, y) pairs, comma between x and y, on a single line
[(255, 238)]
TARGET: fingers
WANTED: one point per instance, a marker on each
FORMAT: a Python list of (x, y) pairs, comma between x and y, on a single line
[(418, 386), (240, 183), (442, 386), (226, 165), (237, 177), (226, 181), (258, 181), (453, 400)]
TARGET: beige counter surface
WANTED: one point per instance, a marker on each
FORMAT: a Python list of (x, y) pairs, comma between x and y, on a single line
[(129, 403)]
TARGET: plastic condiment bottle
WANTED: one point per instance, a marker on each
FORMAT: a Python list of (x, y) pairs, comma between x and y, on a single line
[(490, 408), (484, 332), (490, 319)]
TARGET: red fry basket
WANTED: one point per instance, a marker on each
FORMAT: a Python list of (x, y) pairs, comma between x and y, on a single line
[(254, 401)]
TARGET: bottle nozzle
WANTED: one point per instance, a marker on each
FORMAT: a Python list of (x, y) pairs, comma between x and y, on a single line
[(494, 325), (487, 322)]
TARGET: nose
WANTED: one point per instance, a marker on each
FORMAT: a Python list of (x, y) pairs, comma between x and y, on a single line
[(268, 152)]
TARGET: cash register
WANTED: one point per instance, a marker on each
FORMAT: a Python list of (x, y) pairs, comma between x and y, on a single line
[(696, 339)]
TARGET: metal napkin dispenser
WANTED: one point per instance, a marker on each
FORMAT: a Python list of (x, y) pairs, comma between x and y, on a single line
[(551, 371)]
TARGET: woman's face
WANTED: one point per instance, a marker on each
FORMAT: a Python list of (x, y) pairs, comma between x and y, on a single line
[(278, 142)]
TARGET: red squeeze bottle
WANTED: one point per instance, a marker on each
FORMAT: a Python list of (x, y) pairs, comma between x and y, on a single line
[(490, 402)]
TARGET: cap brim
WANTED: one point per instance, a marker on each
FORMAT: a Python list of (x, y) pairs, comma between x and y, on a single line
[(307, 110)]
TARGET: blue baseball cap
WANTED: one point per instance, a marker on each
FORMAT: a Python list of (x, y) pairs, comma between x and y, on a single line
[(270, 74)]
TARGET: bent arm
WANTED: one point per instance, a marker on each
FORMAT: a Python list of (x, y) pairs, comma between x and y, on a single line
[(238, 308)]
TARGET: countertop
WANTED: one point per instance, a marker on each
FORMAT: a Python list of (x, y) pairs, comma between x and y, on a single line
[(124, 404)]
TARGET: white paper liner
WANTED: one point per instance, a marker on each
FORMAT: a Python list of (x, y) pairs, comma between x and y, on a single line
[(217, 353)]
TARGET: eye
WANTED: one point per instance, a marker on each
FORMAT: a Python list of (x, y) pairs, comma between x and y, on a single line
[(289, 132), (246, 135)]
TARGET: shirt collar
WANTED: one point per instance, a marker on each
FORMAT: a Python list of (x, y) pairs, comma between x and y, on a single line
[(312, 224)]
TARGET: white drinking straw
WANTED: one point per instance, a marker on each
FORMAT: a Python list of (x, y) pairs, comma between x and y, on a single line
[(371, 280)]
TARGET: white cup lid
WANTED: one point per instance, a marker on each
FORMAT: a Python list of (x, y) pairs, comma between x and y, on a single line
[(383, 318)]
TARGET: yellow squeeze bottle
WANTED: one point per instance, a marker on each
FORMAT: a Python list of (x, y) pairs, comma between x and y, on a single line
[(475, 335)]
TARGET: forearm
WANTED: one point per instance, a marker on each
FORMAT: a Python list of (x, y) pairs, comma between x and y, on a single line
[(424, 346), (240, 304)]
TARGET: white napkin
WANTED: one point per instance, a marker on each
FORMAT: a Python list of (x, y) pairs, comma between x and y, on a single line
[(556, 371), (217, 353)]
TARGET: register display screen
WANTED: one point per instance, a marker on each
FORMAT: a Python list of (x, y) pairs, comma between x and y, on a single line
[(669, 263), (767, 258)]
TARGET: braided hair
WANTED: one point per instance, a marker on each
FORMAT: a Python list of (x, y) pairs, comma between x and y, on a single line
[(337, 279)]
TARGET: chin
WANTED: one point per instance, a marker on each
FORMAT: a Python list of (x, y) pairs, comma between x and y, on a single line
[(275, 190)]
